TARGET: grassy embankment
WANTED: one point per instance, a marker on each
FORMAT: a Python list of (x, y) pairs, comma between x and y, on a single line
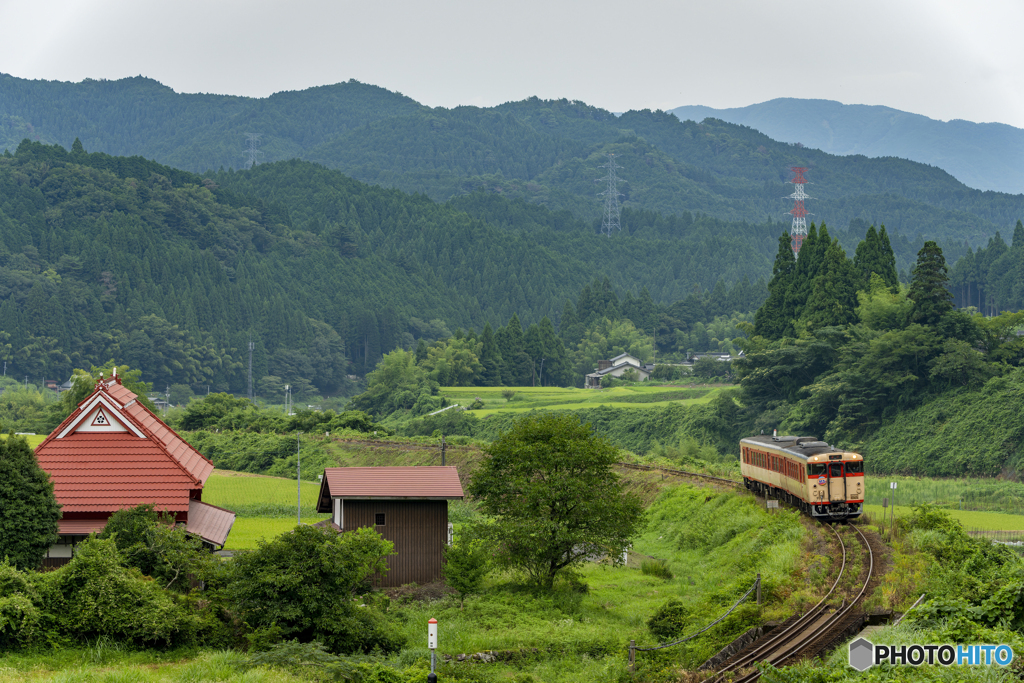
[(559, 398)]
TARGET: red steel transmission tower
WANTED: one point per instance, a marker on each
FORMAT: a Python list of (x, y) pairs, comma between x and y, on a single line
[(799, 229)]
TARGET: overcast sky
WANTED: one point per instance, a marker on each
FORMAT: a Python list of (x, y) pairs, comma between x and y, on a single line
[(941, 58)]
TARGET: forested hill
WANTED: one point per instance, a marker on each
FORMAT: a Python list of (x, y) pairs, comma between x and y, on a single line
[(982, 155), (545, 152), (111, 257)]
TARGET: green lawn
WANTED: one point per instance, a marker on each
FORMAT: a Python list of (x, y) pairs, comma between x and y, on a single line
[(560, 398)]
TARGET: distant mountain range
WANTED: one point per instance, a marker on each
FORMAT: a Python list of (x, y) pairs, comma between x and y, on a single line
[(985, 156), (547, 152)]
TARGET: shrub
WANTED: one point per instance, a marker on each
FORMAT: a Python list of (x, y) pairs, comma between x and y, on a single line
[(95, 595), (303, 581), (508, 394), (657, 568), (669, 621)]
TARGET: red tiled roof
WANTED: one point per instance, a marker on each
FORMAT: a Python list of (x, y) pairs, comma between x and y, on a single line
[(392, 482), (80, 527), (104, 471), (209, 522)]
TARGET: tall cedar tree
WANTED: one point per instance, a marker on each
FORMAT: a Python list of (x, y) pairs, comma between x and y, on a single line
[(808, 263), (874, 255), (490, 358), (549, 484), (834, 295), (774, 318), (28, 523), (928, 286)]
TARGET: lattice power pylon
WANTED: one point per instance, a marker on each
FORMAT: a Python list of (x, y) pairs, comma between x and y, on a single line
[(799, 230), (254, 148), (610, 223)]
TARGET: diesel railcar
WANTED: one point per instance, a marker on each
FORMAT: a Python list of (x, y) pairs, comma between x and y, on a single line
[(822, 481)]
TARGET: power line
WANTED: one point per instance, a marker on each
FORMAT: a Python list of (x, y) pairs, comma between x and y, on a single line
[(610, 222)]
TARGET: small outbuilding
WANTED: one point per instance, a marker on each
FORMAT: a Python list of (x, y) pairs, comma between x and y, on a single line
[(406, 505)]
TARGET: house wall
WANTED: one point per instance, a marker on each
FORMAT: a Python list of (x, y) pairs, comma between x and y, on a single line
[(418, 528), (619, 369)]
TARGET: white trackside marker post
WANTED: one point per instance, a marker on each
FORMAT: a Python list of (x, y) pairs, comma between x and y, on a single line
[(432, 644)]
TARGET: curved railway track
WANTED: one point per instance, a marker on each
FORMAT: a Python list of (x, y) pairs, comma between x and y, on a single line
[(808, 634)]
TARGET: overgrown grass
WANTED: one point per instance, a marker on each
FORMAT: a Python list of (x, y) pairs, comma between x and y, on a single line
[(991, 521), (963, 433), (106, 663)]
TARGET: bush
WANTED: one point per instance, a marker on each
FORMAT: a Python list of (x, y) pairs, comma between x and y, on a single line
[(657, 568), (303, 582), (95, 595), (669, 621)]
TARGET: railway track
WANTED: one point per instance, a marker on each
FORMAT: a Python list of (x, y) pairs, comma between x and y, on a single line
[(680, 473), (809, 634)]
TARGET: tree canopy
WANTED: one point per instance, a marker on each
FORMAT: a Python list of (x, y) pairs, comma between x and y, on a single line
[(549, 484), (28, 525)]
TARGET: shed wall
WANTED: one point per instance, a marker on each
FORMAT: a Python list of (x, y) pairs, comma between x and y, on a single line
[(418, 528)]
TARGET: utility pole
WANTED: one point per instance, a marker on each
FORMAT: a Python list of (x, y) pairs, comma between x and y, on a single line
[(542, 371), (610, 222), (167, 398), (251, 347), (298, 474), (444, 447)]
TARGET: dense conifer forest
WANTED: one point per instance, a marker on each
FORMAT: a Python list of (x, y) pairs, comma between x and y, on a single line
[(547, 152), (111, 257)]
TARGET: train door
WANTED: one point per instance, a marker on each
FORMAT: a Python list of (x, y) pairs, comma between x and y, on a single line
[(836, 483)]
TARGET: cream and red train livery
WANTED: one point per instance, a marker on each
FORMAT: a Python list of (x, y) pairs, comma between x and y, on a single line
[(808, 473)]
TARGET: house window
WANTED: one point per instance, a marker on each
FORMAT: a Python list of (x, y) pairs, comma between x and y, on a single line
[(379, 519)]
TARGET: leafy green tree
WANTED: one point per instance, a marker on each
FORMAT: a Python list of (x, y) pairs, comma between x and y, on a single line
[(882, 309), (28, 525), (466, 564), (396, 383), (154, 544), (928, 290), (549, 483), (454, 362), (303, 582)]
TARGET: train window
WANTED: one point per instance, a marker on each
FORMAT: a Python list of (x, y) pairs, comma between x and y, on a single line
[(816, 469), (837, 469), (855, 468)]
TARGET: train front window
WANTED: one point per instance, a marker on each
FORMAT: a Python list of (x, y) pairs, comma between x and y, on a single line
[(837, 469), (816, 469), (855, 468)]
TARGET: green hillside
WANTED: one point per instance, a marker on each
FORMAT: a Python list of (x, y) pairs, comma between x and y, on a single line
[(111, 257), (548, 152)]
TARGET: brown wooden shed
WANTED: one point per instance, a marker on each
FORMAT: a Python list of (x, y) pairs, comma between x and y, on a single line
[(406, 505)]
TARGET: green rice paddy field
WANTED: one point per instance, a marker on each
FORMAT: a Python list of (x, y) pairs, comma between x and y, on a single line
[(560, 398)]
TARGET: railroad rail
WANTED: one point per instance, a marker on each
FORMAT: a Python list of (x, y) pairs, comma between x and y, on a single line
[(799, 637), (679, 473)]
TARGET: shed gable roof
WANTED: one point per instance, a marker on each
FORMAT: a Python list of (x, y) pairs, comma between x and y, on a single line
[(391, 483)]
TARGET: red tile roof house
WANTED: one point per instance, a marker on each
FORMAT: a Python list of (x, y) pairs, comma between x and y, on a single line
[(113, 453), (406, 505)]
